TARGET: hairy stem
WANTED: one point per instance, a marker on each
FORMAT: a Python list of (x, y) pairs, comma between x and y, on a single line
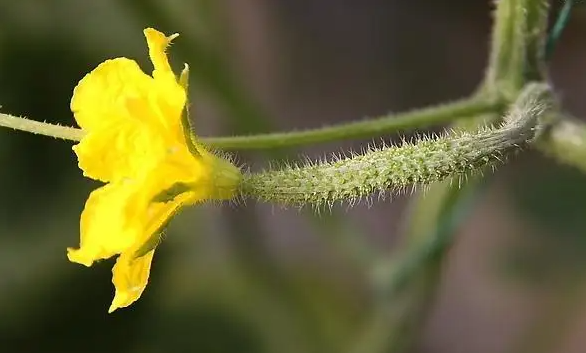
[(40, 128), (395, 168), (517, 53), (536, 12), (365, 128), (384, 124), (506, 55)]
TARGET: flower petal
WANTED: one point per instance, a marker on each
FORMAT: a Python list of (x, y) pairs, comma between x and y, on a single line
[(158, 43), (160, 214), (106, 225), (101, 97), (130, 277), (131, 271), (172, 95), (113, 104), (118, 152)]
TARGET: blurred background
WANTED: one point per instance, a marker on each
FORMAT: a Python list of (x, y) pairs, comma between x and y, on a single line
[(257, 278)]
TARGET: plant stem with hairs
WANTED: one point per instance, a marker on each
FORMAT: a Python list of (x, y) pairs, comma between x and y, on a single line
[(396, 168)]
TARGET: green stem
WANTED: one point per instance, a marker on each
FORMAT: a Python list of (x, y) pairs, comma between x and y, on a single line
[(517, 53), (558, 28), (566, 142), (366, 128), (506, 61), (384, 124), (40, 128), (536, 37), (395, 168)]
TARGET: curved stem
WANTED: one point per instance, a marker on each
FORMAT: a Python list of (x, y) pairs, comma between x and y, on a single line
[(385, 124), (396, 168)]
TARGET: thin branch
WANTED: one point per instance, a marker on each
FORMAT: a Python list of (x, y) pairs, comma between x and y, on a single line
[(359, 129), (559, 26), (40, 128), (385, 124)]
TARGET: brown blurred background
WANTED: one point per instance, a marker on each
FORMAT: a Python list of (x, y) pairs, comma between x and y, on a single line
[(256, 278)]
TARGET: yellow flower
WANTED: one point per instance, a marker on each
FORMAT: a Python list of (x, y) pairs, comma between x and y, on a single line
[(138, 141)]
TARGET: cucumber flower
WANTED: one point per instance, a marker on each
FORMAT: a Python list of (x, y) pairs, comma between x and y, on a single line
[(137, 140)]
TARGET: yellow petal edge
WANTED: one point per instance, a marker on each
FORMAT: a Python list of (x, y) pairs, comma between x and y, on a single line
[(135, 143)]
